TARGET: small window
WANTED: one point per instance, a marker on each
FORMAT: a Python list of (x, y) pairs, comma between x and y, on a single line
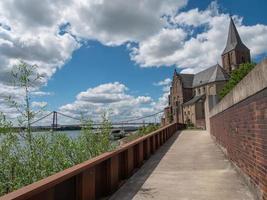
[(199, 92)]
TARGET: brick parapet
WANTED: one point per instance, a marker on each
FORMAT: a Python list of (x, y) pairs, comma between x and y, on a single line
[(242, 131)]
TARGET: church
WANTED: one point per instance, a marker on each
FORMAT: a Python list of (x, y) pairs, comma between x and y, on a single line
[(192, 96)]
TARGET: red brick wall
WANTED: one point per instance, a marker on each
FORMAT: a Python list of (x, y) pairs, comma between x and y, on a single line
[(242, 131)]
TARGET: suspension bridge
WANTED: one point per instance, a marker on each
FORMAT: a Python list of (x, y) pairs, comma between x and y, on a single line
[(77, 123)]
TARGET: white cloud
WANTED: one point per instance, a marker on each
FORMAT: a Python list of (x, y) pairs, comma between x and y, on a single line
[(42, 93), (197, 50), (119, 21), (164, 82), (105, 93), (39, 104), (159, 48), (111, 97)]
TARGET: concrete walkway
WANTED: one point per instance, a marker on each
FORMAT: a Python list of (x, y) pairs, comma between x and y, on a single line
[(189, 166)]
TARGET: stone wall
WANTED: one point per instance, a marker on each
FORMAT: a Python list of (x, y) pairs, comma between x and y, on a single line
[(239, 124)]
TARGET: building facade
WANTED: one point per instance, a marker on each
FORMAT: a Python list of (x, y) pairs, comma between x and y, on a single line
[(192, 96)]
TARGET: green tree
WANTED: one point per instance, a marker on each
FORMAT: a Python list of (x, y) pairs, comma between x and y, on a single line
[(236, 76)]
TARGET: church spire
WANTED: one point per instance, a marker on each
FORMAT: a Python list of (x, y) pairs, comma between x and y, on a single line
[(233, 41), (235, 51), (175, 72)]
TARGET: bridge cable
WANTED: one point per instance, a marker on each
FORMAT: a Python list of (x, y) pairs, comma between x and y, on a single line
[(135, 119), (41, 118), (68, 116)]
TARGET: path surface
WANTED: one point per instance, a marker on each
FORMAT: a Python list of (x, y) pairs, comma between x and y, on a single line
[(189, 166)]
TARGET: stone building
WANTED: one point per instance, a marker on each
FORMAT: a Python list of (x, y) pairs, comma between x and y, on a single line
[(235, 51), (193, 95)]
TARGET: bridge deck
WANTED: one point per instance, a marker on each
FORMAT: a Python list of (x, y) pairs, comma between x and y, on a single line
[(189, 166)]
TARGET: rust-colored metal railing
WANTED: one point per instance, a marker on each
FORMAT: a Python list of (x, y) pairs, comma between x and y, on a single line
[(97, 177)]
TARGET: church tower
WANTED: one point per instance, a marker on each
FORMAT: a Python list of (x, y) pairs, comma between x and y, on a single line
[(235, 51)]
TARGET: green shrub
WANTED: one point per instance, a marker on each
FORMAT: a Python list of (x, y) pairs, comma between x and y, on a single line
[(26, 157), (236, 76), (189, 124), (144, 130)]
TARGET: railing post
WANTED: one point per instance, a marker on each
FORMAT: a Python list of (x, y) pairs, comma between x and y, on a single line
[(113, 174), (130, 161), (165, 134), (123, 165), (157, 140), (85, 185), (147, 148), (152, 144), (141, 153)]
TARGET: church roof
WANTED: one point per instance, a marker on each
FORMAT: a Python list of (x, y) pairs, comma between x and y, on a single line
[(212, 74), (187, 80), (234, 41), (194, 100)]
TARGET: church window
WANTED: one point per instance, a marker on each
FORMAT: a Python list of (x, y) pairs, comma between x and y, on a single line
[(232, 58), (199, 92), (229, 60)]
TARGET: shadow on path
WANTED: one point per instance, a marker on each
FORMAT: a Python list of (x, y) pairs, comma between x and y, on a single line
[(129, 190)]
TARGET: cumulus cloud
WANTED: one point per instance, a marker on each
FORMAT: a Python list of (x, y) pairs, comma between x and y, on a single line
[(164, 82), (30, 30), (196, 40), (119, 21), (106, 93), (42, 93), (113, 98), (39, 104)]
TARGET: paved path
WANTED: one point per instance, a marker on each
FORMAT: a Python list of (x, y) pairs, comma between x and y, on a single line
[(189, 166)]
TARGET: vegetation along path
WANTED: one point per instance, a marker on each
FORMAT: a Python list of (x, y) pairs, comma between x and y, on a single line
[(189, 166)]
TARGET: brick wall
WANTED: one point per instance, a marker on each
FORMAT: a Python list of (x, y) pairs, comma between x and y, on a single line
[(242, 130)]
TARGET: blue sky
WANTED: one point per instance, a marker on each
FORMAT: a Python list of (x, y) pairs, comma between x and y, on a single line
[(121, 47)]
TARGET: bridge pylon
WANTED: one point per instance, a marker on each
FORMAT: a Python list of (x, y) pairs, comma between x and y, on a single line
[(54, 124)]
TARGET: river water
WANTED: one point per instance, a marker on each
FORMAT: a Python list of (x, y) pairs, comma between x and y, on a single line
[(72, 134)]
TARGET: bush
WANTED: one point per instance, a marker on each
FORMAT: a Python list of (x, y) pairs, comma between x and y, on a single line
[(26, 157), (144, 130), (189, 124), (50, 152), (236, 76)]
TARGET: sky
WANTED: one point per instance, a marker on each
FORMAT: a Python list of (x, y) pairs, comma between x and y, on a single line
[(118, 56)]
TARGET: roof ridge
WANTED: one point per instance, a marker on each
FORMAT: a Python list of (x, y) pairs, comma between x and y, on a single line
[(214, 74)]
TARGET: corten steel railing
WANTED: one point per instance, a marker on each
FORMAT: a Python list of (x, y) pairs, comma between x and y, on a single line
[(99, 176)]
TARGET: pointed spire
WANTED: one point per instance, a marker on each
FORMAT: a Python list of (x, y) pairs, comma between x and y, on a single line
[(175, 72), (233, 40)]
